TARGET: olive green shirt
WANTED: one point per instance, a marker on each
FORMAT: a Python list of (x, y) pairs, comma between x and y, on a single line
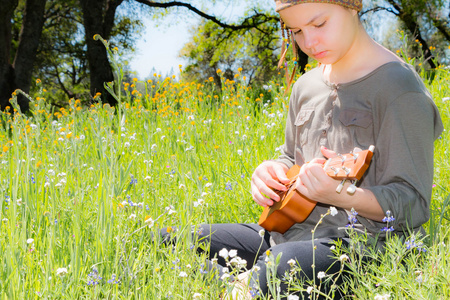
[(389, 108)]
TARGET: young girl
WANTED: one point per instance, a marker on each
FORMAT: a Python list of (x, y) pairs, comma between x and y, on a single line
[(361, 94)]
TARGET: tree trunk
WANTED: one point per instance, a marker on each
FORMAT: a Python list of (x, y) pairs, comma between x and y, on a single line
[(7, 85), (407, 17), (30, 34), (98, 18)]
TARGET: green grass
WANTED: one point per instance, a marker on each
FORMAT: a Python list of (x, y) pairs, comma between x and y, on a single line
[(68, 178)]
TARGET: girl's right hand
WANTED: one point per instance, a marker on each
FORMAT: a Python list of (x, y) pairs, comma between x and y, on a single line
[(266, 178)]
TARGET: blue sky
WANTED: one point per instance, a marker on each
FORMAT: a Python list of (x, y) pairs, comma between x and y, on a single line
[(159, 46)]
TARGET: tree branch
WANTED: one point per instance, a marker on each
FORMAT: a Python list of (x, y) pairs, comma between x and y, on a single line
[(246, 24)]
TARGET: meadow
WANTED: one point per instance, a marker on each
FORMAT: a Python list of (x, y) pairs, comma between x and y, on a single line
[(85, 190)]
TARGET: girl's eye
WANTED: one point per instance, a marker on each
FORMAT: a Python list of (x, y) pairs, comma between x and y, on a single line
[(297, 32), (321, 24)]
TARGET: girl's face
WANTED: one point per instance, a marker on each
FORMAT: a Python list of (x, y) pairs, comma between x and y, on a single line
[(325, 32)]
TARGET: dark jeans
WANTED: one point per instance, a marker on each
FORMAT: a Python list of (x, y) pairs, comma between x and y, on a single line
[(252, 247)]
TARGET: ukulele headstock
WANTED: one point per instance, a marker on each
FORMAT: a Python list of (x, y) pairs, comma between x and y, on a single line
[(349, 166)]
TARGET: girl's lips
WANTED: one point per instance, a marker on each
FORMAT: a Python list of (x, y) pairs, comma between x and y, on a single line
[(319, 55)]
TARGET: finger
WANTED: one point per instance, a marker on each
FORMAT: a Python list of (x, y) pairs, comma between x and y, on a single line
[(318, 161), (327, 152), (280, 174), (261, 199), (260, 188)]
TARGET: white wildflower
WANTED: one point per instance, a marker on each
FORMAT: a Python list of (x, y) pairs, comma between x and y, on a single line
[(208, 184), (239, 152), (150, 222), (127, 144), (61, 271), (333, 211), (261, 232), (183, 274), (30, 241), (382, 297), (132, 216), (291, 263), (196, 296), (232, 253), (293, 297), (309, 289), (223, 253), (343, 257), (256, 268), (19, 202), (321, 275)]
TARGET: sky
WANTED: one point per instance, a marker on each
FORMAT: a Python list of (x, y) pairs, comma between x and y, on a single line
[(157, 50)]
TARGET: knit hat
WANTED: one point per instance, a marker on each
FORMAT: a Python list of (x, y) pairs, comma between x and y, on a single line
[(355, 4)]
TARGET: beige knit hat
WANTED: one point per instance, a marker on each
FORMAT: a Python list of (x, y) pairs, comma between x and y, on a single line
[(355, 4)]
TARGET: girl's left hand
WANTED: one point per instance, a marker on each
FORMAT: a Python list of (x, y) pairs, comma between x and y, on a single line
[(314, 183)]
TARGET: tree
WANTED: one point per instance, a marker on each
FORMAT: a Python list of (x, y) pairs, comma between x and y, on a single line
[(18, 74), (424, 21)]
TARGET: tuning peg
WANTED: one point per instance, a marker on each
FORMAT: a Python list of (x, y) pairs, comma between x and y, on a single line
[(340, 186), (352, 188)]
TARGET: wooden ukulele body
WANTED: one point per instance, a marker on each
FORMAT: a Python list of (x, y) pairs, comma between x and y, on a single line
[(293, 207)]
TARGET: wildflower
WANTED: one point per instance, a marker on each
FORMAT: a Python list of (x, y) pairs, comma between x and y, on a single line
[(232, 253), (321, 275), (309, 289), (261, 232), (291, 263), (225, 276), (239, 152), (132, 216), (113, 279), (411, 244), (183, 274), (150, 222), (223, 253), (19, 202), (382, 297), (94, 277), (228, 186), (343, 257), (388, 217), (333, 211), (61, 271), (196, 296), (352, 218), (445, 99), (419, 278), (181, 186), (256, 268), (293, 297), (30, 241), (199, 202)]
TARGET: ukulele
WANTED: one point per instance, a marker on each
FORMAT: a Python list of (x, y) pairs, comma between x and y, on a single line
[(293, 207)]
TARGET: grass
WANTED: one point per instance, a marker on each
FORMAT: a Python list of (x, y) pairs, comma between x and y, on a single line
[(85, 191)]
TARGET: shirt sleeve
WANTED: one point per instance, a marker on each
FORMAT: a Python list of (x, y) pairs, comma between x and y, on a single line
[(404, 167)]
